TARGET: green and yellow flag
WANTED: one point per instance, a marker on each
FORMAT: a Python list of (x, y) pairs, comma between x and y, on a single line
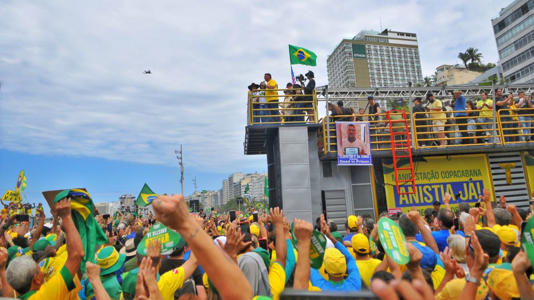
[(83, 217), (146, 196), (301, 56), (21, 182)]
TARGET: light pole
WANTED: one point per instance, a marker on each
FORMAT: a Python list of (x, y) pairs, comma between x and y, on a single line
[(179, 156)]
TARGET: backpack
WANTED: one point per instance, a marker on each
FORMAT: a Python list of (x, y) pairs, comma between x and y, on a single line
[(189, 287)]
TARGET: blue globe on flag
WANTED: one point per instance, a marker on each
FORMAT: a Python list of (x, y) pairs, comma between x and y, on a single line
[(301, 55)]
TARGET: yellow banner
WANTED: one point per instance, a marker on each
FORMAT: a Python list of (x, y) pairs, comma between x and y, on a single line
[(12, 196), (528, 167), (464, 177)]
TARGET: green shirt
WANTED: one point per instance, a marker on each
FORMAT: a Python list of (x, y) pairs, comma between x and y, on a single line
[(111, 285), (130, 264)]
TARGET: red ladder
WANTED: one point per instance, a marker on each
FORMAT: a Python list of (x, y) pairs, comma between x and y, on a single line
[(401, 148)]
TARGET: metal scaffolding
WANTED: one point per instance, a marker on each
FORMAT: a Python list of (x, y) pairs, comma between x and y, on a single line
[(359, 94)]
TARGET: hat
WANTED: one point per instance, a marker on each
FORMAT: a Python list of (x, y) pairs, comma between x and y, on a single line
[(255, 230), (109, 260), (129, 248), (352, 222), (337, 235), (61, 195), (41, 244), (14, 251), (309, 74), (370, 97), (334, 262), (453, 289), (502, 282), (360, 243), (508, 236), (52, 238)]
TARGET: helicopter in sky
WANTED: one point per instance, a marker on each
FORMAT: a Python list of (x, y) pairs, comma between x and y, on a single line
[(147, 71)]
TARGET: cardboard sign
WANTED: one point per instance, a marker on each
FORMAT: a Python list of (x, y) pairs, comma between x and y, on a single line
[(393, 241), (50, 195), (527, 239), (317, 247), (168, 238)]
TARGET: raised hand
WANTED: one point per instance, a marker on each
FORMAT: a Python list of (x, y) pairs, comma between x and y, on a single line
[(520, 263), (277, 216), (502, 201), (92, 270), (171, 211), (477, 260), (63, 207), (302, 229)]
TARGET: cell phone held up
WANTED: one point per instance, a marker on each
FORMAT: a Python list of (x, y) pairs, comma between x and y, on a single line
[(245, 229), (232, 215)]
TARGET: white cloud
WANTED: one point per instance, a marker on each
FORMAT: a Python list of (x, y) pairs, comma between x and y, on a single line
[(72, 81)]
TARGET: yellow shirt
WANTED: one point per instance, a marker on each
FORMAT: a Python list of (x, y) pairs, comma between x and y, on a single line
[(277, 279), (272, 94), (170, 281), (436, 115), (50, 265), (485, 112), (367, 269), (58, 287)]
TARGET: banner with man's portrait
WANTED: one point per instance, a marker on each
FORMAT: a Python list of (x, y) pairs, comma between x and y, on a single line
[(353, 144)]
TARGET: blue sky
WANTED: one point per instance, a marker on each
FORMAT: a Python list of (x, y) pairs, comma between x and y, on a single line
[(77, 110)]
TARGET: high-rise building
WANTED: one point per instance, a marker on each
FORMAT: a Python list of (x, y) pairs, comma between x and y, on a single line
[(373, 59), (127, 203), (225, 191), (514, 34), (256, 186)]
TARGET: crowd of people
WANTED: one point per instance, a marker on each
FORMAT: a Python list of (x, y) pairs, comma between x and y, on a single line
[(457, 120), (469, 252), (296, 105)]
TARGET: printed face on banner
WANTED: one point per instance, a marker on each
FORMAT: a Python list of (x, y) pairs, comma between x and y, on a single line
[(353, 144)]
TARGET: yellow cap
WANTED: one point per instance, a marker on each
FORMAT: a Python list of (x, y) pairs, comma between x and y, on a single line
[(503, 284), (360, 243), (352, 222), (453, 289), (334, 262), (255, 230), (508, 236)]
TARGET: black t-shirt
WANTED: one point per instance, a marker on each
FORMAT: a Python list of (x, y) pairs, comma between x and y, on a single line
[(499, 107), (170, 264), (419, 109), (373, 109)]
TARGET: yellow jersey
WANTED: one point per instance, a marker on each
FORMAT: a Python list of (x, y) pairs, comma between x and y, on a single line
[(58, 286)]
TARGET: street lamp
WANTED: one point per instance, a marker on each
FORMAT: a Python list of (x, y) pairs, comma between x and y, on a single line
[(179, 156)]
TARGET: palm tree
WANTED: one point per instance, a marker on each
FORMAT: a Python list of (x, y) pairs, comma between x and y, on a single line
[(473, 54), (428, 81), (464, 57)]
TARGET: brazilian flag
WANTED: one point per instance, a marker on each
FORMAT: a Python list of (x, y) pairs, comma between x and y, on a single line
[(146, 196), (301, 56), (84, 219)]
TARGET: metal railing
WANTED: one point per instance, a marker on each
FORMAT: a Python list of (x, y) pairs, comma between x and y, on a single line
[(515, 125), (432, 130), (290, 107)]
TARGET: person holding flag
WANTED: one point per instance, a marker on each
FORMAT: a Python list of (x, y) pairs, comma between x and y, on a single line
[(309, 88)]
